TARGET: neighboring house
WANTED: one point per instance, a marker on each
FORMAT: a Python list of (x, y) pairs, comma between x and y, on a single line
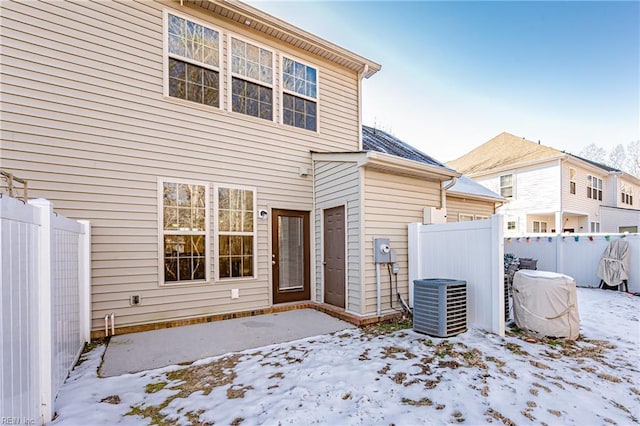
[(217, 152), (552, 191)]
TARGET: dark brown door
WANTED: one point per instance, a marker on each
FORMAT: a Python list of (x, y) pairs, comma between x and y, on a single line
[(334, 256), (290, 255)]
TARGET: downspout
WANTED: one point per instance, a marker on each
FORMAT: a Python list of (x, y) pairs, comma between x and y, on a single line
[(443, 192)]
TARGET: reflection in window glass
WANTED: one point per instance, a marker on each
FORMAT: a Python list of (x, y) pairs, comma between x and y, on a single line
[(184, 218), (236, 217), (194, 59), (300, 94)]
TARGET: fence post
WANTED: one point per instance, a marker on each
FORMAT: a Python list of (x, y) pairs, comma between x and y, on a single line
[(497, 273), (414, 257), (45, 235), (84, 280)]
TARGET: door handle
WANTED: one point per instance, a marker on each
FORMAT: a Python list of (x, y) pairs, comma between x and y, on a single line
[(273, 262), (324, 263)]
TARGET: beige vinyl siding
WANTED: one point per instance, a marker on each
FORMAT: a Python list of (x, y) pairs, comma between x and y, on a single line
[(391, 203), (338, 184), (458, 205), (84, 120)]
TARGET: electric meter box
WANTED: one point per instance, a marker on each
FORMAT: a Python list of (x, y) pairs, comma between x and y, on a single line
[(381, 250)]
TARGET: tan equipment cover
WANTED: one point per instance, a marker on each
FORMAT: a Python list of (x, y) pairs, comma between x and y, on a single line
[(546, 303)]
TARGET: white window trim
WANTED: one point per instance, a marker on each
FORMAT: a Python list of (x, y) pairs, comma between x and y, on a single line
[(165, 61), (595, 188), (230, 74), (513, 184), (216, 233), (469, 217), (282, 90), (539, 223), (161, 233), (572, 180)]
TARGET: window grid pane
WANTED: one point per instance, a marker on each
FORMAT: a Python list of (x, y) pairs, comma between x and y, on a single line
[(251, 99), (193, 41), (299, 78), (298, 112), (251, 61), (184, 229), (236, 233)]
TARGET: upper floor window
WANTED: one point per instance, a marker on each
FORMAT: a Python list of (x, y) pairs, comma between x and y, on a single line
[(236, 232), (511, 225), (626, 195), (594, 188), (539, 226), (299, 94), (572, 181), (193, 61), (506, 186), (184, 231), (251, 79)]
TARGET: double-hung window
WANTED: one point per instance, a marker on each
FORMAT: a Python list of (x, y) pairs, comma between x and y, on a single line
[(193, 61), (251, 79), (594, 188), (506, 186), (626, 195), (236, 224), (572, 180), (299, 94), (539, 226), (184, 237)]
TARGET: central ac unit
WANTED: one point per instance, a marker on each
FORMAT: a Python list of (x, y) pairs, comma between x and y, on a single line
[(440, 307)]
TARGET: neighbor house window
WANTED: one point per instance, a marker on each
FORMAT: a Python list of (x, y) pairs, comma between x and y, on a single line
[(251, 79), (595, 226), (572, 181), (539, 226), (626, 195), (193, 61), (184, 238), (506, 186), (236, 232), (465, 217), (481, 217), (511, 225), (594, 188), (300, 94)]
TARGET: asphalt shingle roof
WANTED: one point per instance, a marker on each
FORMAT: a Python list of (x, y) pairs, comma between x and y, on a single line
[(377, 140)]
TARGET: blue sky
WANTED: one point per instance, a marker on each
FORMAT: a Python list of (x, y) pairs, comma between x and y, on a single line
[(455, 74)]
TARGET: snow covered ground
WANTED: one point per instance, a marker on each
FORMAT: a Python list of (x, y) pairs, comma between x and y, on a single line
[(357, 377)]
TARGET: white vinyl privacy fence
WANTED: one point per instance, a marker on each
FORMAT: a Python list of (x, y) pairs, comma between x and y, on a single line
[(45, 306), (470, 251), (576, 255)]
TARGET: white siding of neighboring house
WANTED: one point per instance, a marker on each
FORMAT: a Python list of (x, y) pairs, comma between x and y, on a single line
[(391, 202), (612, 219), (536, 190), (84, 120), (579, 202), (338, 184)]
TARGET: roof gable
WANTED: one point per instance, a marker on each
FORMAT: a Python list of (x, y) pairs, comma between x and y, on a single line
[(503, 150)]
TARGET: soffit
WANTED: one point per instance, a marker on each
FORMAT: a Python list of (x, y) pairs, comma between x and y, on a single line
[(271, 26)]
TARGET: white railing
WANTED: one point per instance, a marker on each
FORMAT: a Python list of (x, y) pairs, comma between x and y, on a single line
[(470, 251), (576, 255), (45, 306)]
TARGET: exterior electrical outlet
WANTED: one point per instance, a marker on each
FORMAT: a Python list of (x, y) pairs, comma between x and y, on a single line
[(381, 250)]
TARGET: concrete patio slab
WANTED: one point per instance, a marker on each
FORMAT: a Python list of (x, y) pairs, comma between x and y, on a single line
[(131, 353)]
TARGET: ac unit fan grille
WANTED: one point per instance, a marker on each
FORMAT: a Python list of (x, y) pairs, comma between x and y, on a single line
[(440, 307)]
